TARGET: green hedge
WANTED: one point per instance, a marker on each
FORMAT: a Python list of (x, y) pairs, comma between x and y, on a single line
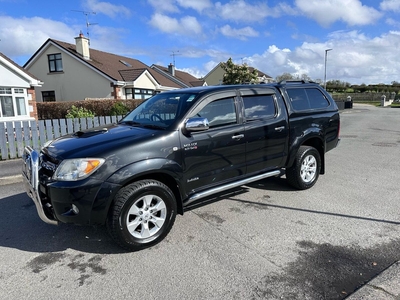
[(103, 107)]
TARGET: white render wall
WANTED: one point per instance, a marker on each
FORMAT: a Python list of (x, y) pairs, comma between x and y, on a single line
[(8, 78)]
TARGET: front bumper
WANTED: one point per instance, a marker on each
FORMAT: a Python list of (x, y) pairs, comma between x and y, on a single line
[(84, 202), (30, 175)]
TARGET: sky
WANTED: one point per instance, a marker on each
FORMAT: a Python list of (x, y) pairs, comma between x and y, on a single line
[(274, 36)]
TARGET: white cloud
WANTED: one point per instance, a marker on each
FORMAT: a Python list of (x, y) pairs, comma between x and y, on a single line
[(185, 26), (243, 11), (326, 12), (355, 58), (23, 36), (107, 8), (164, 6), (242, 33), (393, 22), (198, 5), (393, 5)]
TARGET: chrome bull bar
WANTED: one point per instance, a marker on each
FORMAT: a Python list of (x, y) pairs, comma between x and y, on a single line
[(30, 175)]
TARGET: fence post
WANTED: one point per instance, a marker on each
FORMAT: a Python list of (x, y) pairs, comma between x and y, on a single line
[(11, 139), (3, 141), (56, 128), (18, 138), (35, 134)]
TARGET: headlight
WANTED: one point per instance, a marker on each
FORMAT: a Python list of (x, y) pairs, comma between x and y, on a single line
[(77, 169)]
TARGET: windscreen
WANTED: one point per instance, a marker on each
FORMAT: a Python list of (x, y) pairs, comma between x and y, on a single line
[(161, 111)]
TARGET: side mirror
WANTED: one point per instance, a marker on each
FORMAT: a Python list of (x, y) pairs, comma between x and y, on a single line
[(196, 124)]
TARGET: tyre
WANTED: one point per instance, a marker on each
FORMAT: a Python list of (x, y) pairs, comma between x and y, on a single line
[(305, 170), (142, 214)]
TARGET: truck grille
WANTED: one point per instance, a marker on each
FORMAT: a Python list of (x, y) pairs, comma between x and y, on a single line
[(48, 166)]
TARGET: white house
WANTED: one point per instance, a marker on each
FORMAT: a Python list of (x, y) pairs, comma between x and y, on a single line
[(17, 92)]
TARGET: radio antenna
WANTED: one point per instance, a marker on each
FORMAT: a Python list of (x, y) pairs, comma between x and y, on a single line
[(87, 13), (174, 53)]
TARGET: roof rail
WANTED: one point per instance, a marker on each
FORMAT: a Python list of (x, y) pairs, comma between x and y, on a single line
[(294, 81)]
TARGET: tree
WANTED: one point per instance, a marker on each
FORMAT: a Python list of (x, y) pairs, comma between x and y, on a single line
[(285, 77), (288, 77), (238, 74)]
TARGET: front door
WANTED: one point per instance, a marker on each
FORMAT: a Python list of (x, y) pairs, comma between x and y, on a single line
[(216, 155)]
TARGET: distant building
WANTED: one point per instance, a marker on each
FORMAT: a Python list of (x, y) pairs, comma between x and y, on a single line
[(17, 92), (216, 76), (182, 78)]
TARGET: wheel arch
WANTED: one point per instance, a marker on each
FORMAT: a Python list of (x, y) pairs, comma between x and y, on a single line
[(165, 178), (313, 141), (163, 170)]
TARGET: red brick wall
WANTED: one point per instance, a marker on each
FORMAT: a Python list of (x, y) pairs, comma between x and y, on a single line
[(116, 91), (32, 102)]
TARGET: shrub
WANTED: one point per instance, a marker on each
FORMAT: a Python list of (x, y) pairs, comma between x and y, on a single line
[(80, 112), (99, 107), (119, 109)]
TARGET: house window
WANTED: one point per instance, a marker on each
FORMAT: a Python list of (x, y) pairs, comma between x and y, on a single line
[(5, 91), (131, 93), (21, 108), (49, 96), (13, 102), (55, 63), (7, 107)]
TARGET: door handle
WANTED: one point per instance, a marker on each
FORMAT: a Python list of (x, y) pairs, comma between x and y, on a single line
[(279, 129), (238, 137)]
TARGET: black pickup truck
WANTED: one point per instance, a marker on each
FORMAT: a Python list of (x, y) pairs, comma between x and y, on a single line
[(179, 147)]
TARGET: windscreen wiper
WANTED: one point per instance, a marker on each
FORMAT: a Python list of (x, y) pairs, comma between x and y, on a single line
[(152, 126), (132, 123)]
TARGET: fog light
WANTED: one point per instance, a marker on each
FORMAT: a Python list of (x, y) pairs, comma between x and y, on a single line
[(75, 210)]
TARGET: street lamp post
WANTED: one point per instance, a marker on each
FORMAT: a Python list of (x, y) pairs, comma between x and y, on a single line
[(326, 58)]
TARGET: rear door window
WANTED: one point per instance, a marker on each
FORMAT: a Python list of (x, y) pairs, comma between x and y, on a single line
[(259, 107)]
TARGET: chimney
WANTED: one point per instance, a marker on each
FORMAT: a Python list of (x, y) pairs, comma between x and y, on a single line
[(82, 46), (171, 69)]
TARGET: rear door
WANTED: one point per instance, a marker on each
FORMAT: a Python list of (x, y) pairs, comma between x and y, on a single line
[(216, 155), (266, 129)]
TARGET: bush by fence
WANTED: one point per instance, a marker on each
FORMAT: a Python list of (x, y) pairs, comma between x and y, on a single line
[(14, 136), (100, 107)]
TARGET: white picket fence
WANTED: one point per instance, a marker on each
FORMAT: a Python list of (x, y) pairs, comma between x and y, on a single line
[(14, 136)]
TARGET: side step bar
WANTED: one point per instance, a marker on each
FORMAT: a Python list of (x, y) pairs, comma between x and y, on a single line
[(232, 185)]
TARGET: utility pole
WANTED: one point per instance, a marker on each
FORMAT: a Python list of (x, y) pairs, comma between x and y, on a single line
[(326, 59)]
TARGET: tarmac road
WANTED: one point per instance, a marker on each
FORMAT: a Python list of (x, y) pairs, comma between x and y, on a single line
[(338, 240)]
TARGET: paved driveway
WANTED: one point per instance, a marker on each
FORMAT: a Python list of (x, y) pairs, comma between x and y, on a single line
[(262, 241)]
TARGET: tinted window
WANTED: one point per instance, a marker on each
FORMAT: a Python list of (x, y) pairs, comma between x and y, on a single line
[(219, 112), (259, 106), (303, 99), (299, 99), (162, 110), (316, 98)]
